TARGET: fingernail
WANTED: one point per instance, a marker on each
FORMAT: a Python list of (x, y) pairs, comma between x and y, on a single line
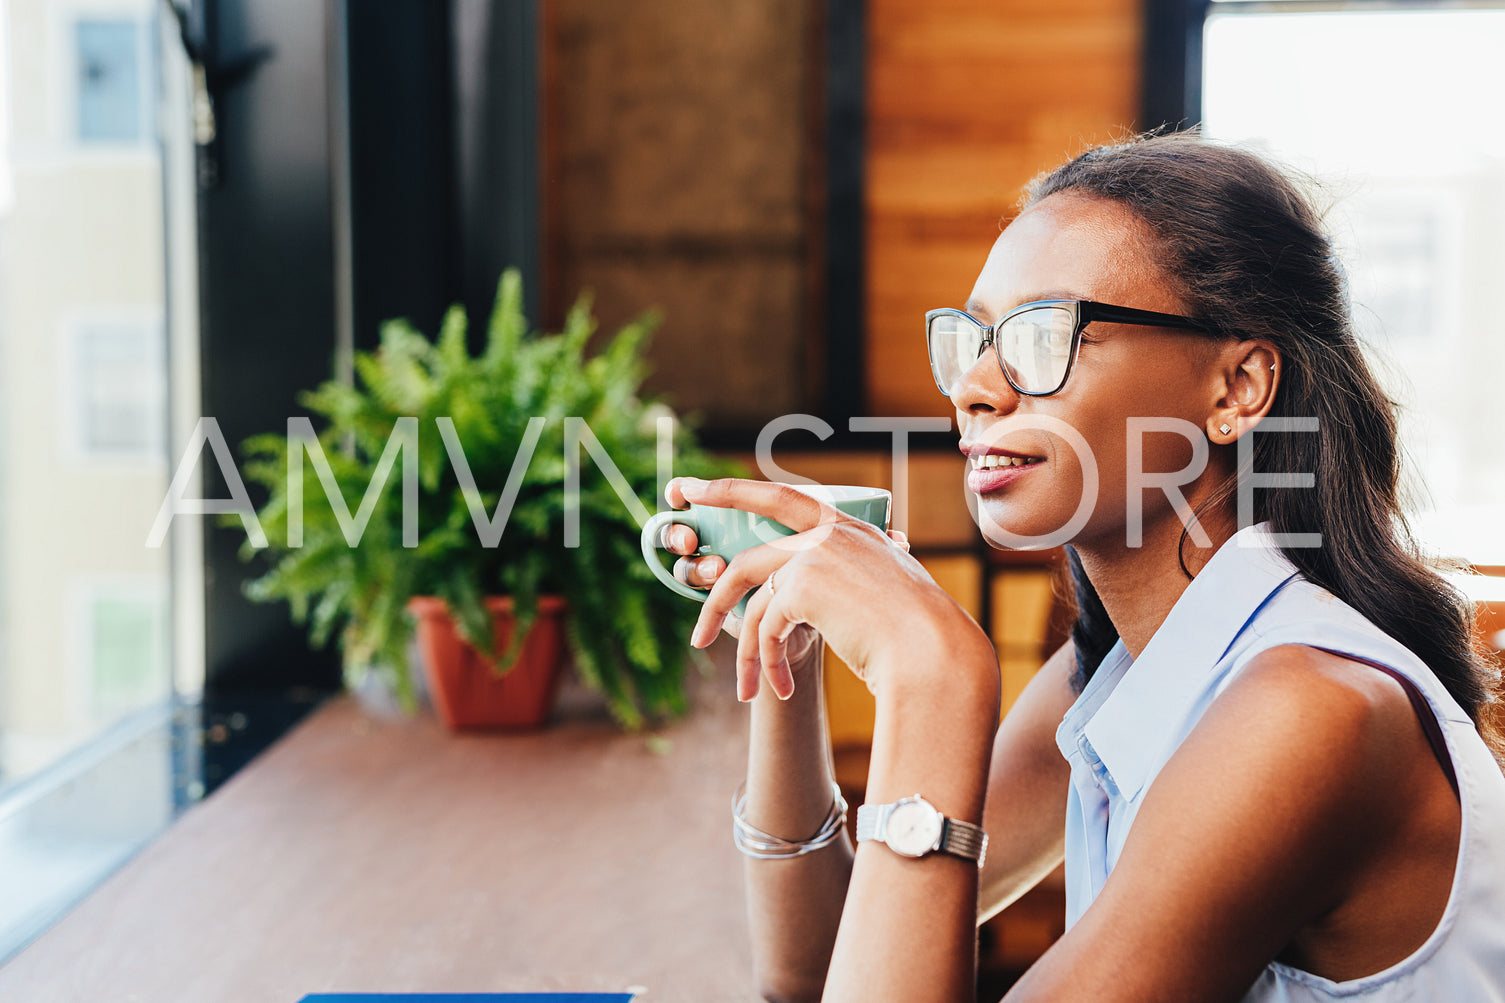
[(689, 484), (697, 637)]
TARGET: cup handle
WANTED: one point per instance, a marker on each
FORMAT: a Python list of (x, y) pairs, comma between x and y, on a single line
[(651, 530)]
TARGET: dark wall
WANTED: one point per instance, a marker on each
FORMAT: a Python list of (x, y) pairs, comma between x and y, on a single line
[(496, 95), (402, 165), (266, 293), (345, 163)]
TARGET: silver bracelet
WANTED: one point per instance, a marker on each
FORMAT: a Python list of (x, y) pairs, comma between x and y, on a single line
[(754, 842)]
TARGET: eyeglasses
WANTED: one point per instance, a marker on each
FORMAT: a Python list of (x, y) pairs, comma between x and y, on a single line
[(1036, 343)]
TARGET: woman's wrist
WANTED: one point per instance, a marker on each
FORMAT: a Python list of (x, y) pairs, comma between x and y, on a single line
[(788, 765), (933, 734), (957, 666)]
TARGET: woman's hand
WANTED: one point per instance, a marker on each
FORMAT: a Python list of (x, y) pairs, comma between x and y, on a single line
[(703, 573), (837, 575)]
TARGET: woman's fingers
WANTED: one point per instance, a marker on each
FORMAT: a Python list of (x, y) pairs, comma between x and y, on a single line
[(900, 539), (679, 539), (749, 668), (699, 572), (775, 624), (747, 571), (696, 572), (672, 493), (780, 502), (760, 655)]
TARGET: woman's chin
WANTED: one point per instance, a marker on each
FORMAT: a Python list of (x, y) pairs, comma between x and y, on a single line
[(1008, 526)]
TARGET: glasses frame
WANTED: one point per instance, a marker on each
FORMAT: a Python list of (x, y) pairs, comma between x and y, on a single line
[(1083, 312)]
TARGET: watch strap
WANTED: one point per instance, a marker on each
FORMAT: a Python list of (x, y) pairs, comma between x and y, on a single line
[(869, 820), (964, 839)]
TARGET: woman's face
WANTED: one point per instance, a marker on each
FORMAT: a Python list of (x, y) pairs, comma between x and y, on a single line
[(1074, 246)]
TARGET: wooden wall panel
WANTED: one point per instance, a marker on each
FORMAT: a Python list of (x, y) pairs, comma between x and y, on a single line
[(1023, 600), (938, 515), (678, 164), (967, 101)]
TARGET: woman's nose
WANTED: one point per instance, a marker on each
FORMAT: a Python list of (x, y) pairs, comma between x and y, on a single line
[(983, 388)]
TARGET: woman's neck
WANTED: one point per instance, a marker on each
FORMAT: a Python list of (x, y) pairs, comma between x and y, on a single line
[(1139, 585)]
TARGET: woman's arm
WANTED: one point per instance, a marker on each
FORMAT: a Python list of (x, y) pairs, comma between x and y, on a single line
[(909, 930), (793, 905)]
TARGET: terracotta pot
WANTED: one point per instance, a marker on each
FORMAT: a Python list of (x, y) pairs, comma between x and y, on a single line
[(466, 691)]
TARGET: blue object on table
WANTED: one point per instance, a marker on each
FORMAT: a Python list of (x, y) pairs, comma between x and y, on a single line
[(467, 998)]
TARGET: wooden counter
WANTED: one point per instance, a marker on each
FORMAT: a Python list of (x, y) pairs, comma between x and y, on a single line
[(362, 854)]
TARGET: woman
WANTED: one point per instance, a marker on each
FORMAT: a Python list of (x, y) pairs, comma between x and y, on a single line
[(1260, 754)]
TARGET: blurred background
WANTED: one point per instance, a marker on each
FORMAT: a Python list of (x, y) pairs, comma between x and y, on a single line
[(208, 206)]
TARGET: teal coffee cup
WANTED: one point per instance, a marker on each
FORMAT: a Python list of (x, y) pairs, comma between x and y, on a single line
[(726, 532)]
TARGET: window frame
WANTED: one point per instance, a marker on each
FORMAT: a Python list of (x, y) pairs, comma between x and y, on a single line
[(1171, 53)]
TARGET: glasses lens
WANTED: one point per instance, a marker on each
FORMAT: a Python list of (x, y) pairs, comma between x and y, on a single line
[(1035, 346), (955, 340)]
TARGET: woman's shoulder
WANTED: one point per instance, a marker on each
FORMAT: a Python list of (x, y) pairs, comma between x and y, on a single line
[(1284, 794), (1310, 628), (1317, 714), (1326, 749)]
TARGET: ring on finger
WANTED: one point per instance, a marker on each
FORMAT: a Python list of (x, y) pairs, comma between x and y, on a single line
[(772, 589)]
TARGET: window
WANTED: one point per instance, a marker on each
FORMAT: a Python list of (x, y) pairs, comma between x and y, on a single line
[(94, 662), (113, 99), (6, 187), (121, 628), (116, 386), (1390, 110)]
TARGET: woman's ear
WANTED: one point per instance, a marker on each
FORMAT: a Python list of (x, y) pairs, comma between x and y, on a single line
[(1249, 375)]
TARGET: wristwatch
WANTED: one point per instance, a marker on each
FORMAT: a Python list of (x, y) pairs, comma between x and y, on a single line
[(913, 827)]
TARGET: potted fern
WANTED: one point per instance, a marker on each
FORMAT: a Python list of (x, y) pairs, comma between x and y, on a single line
[(517, 539)]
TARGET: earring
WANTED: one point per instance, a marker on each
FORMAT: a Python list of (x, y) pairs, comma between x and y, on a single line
[(1272, 367), (1224, 428)]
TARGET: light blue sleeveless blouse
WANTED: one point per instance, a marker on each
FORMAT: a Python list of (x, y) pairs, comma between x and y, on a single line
[(1126, 725)]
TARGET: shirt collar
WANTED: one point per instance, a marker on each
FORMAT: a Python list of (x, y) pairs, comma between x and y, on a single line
[(1130, 726)]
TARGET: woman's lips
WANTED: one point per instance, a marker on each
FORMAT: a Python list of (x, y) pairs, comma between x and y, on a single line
[(983, 479)]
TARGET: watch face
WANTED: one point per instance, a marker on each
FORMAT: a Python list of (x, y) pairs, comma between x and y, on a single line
[(914, 828)]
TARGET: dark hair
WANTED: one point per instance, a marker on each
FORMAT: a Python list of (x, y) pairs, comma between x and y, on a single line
[(1248, 253)]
